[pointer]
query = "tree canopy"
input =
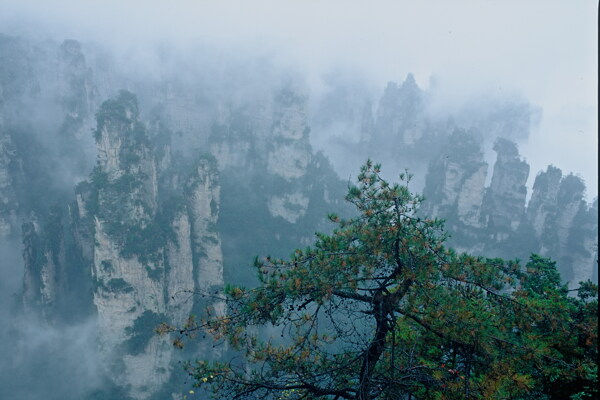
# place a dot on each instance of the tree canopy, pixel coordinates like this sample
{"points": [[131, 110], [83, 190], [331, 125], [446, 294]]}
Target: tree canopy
{"points": [[382, 309]]}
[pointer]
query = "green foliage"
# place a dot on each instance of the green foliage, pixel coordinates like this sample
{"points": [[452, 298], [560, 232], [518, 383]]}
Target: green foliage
{"points": [[142, 236], [121, 110], [145, 243], [156, 274], [381, 309], [107, 266], [142, 331], [119, 285]]}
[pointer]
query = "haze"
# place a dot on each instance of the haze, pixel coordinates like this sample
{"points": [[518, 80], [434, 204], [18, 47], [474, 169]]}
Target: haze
{"points": [[544, 51], [262, 87]]}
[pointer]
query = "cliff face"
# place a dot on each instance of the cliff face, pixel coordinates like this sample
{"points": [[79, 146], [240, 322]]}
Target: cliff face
{"points": [[496, 221], [8, 197], [142, 242], [400, 114], [580, 250], [148, 254], [505, 199], [543, 202], [203, 197], [46, 279], [289, 155], [456, 181], [129, 279]]}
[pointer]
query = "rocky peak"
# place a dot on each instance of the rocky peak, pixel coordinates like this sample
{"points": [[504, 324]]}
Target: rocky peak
{"points": [[290, 116], [289, 150], [148, 249], [506, 150], [203, 194], [399, 115], [125, 156], [70, 54], [76, 89], [32, 278], [569, 201], [556, 223], [572, 189], [410, 84], [543, 202], [116, 134], [234, 137], [46, 279], [578, 239], [505, 198], [455, 181]]}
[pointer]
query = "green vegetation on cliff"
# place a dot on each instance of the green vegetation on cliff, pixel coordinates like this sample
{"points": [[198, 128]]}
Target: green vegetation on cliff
{"points": [[141, 331]]}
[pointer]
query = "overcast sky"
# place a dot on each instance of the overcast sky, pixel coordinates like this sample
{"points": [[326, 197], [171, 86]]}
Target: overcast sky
{"points": [[545, 51]]}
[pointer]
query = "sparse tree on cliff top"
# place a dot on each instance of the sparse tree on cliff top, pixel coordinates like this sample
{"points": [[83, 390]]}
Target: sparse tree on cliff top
{"points": [[381, 309]]}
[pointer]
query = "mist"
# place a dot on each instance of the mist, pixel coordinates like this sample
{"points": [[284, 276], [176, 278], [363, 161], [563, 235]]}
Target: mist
{"points": [[47, 362], [523, 71], [545, 51]]}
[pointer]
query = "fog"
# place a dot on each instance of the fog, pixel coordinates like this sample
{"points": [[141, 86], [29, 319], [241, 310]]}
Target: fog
{"points": [[468, 56], [545, 51], [43, 362]]}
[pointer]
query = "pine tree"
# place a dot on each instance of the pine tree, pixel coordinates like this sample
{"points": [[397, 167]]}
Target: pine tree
{"points": [[381, 309]]}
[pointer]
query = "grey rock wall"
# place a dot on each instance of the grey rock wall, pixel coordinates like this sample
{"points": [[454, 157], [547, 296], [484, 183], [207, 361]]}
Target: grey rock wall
{"points": [[497, 220]]}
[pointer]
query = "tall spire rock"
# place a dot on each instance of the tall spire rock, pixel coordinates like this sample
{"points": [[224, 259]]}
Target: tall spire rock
{"points": [[78, 97], [556, 223], [542, 205], [126, 161], [289, 154], [579, 253], [203, 194], [399, 115], [128, 255], [505, 198], [410, 84], [569, 201], [46, 279], [149, 246], [76, 88], [290, 150], [455, 183]]}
